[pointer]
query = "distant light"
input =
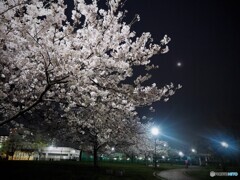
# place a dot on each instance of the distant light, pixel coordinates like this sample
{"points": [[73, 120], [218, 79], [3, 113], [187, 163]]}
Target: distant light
{"points": [[181, 153], [155, 131], [163, 157], [128, 159], [140, 158], [115, 159], [179, 64], [149, 159], [165, 145], [193, 150], [224, 144], [113, 148]]}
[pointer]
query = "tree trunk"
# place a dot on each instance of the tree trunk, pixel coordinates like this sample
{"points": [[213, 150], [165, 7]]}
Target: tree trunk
{"points": [[80, 155], [10, 154], [39, 155], [95, 157], [132, 159], [146, 160]]}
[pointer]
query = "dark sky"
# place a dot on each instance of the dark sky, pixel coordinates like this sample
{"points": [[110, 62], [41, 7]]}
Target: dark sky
{"points": [[205, 38]]}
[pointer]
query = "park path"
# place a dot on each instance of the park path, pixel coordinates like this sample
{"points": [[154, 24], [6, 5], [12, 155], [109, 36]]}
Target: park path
{"points": [[177, 174]]}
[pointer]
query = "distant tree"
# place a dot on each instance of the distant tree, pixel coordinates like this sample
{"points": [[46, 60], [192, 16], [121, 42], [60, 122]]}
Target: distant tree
{"points": [[143, 145], [15, 142], [173, 155], [93, 131], [22, 139], [37, 142]]}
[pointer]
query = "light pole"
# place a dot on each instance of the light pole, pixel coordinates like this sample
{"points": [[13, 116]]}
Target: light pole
{"points": [[193, 156], [155, 132], [225, 145]]}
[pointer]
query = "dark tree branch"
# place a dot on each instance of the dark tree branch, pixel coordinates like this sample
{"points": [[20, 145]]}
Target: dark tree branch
{"points": [[28, 108], [12, 7]]}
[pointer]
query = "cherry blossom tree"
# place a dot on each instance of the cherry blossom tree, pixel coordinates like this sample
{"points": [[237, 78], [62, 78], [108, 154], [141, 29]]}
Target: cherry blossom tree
{"points": [[143, 144], [44, 57], [80, 65], [93, 131]]}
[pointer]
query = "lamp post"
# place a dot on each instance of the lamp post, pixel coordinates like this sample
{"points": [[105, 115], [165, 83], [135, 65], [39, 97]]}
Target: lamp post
{"points": [[193, 156], [155, 132], [225, 145]]}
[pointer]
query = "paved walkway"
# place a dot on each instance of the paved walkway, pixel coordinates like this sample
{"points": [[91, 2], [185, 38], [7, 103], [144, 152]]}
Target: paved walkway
{"points": [[177, 174]]}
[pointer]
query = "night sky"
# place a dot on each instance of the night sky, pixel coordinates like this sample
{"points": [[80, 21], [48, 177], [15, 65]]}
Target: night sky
{"points": [[205, 39]]}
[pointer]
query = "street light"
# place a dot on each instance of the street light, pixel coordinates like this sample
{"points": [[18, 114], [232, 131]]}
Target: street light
{"points": [[155, 132], [224, 144], [181, 154], [193, 155]]}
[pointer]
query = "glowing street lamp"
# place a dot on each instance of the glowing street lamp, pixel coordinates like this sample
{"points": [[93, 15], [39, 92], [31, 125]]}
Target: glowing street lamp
{"points": [[155, 132], [181, 154], [193, 150], [224, 144]]}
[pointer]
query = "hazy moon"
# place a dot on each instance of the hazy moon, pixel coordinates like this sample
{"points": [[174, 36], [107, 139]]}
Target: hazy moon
{"points": [[179, 64]]}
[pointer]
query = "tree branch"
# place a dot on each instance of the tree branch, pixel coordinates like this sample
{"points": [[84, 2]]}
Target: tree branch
{"points": [[11, 7], [28, 108]]}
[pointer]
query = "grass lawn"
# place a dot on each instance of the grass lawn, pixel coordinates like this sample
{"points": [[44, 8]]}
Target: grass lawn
{"points": [[66, 170]]}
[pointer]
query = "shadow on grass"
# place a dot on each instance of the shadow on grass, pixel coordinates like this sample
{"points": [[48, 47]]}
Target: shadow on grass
{"points": [[67, 170]]}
